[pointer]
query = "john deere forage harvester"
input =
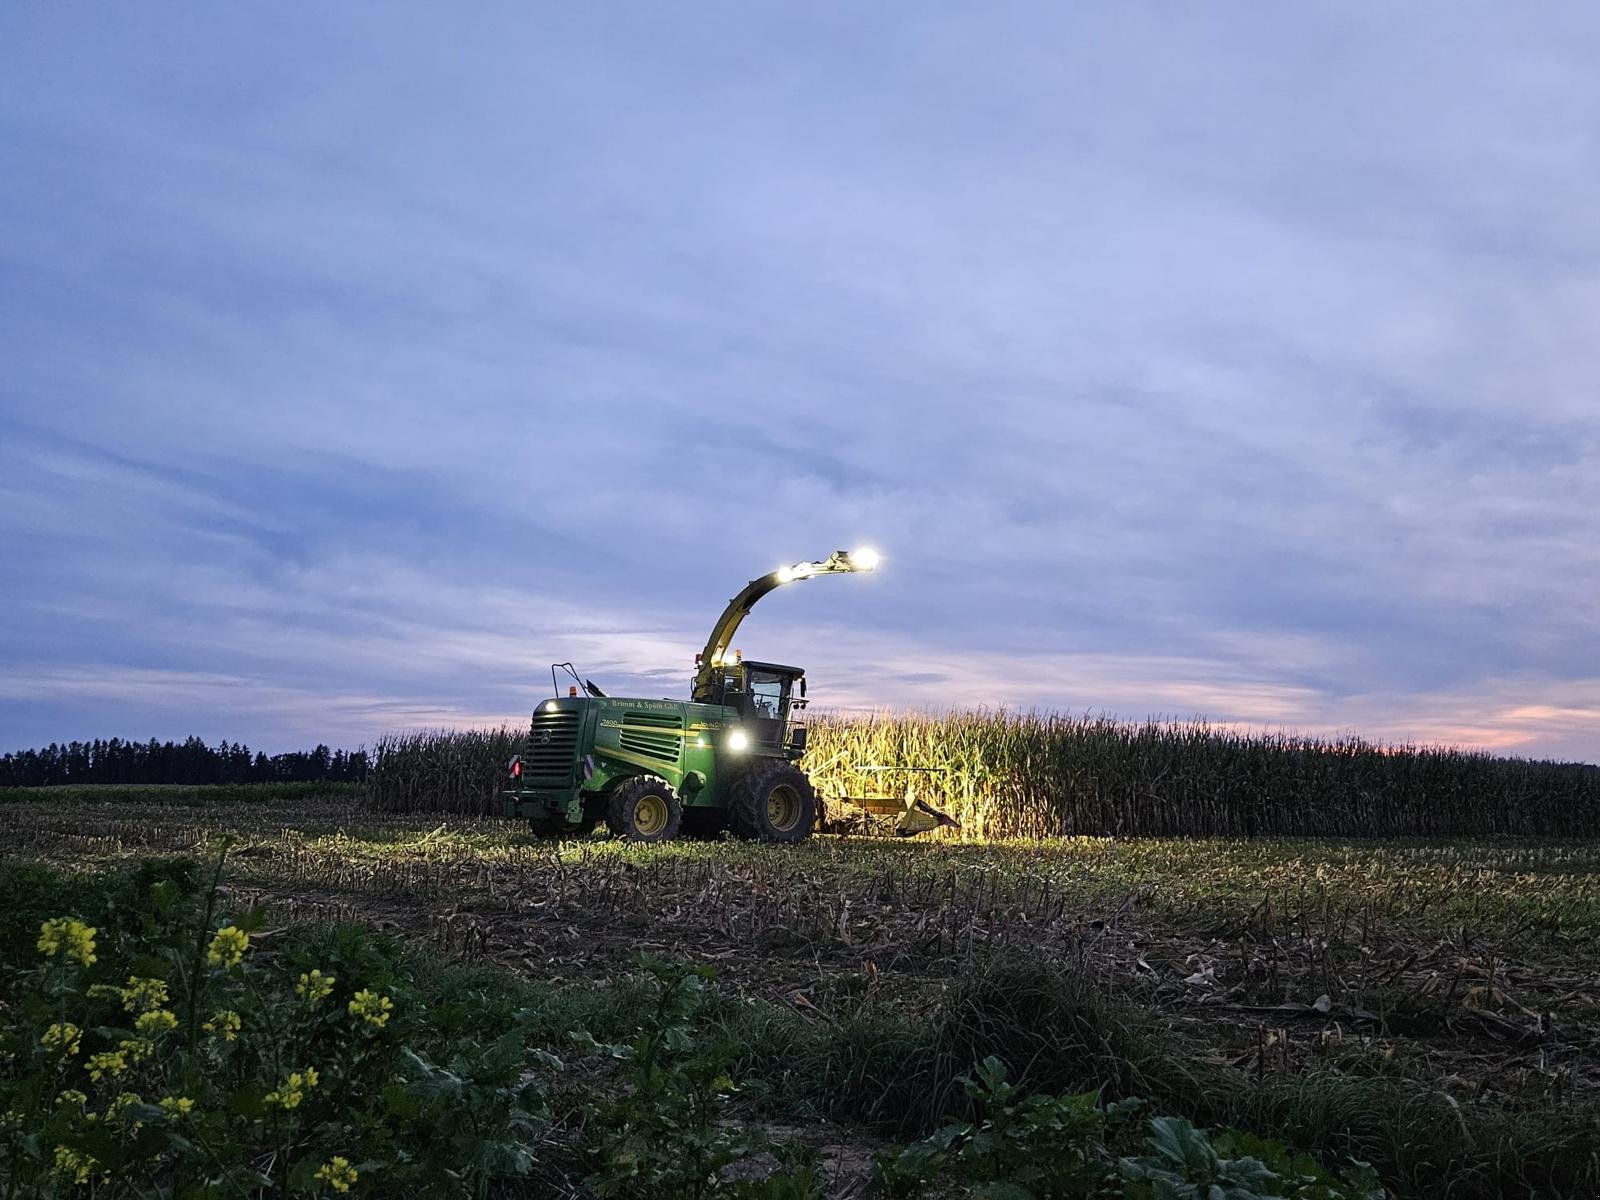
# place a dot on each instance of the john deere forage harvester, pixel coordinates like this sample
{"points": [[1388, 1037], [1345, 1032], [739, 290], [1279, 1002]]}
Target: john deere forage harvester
{"points": [[724, 759]]}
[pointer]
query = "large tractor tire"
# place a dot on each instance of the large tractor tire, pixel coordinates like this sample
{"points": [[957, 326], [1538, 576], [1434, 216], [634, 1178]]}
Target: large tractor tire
{"points": [[644, 809], [774, 802]]}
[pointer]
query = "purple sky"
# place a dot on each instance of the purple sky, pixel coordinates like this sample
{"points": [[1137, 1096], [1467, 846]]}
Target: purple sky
{"points": [[1210, 360]]}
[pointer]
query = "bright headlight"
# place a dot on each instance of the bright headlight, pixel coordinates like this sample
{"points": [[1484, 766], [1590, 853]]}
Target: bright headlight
{"points": [[551, 706], [738, 740], [864, 559]]}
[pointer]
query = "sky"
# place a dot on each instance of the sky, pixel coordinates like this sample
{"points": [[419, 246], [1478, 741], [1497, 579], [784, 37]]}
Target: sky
{"points": [[1223, 361]]}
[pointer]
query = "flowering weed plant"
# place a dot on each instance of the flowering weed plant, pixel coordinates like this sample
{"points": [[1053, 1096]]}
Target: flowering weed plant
{"points": [[153, 1043]]}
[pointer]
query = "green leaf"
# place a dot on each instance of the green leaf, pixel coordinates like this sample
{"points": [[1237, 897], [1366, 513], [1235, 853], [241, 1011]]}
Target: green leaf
{"points": [[991, 1072], [303, 1175], [1002, 1191], [1180, 1142], [584, 1039]]}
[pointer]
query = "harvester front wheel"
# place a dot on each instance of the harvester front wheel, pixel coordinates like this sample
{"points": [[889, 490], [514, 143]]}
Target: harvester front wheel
{"points": [[773, 803], [644, 809]]}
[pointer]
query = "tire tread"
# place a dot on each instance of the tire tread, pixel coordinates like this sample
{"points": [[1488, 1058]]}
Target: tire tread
{"points": [[747, 802]]}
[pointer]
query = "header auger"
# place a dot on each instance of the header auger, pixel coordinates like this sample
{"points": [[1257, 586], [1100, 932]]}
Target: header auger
{"points": [[727, 758]]}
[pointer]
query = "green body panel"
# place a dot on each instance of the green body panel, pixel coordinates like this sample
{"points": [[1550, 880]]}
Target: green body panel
{"points": [[579, 748]]}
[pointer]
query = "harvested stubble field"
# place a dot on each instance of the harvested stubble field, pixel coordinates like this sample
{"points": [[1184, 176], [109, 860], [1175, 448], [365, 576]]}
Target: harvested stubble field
{"points": [[1465, 973]]}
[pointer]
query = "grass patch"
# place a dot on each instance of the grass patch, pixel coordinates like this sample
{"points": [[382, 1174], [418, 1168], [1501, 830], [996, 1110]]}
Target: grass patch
{"points": [[183, 793]]}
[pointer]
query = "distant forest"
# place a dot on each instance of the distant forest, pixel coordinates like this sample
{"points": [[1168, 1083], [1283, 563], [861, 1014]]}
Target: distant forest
{"points": [[189, 761]]}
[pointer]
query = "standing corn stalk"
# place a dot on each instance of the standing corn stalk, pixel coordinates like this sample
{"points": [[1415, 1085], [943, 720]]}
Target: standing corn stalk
{"points": [[1004, 774]]}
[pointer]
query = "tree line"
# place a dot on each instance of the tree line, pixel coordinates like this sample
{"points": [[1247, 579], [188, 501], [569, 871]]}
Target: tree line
{"points": [[189, 761]]}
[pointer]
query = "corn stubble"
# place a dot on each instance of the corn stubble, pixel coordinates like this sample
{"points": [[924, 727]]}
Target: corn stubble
{"points": [[1006, 774]]}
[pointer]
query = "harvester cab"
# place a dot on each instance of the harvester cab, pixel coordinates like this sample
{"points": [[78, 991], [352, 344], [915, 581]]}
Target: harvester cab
{"points": [[767, 698], [727, 758]]}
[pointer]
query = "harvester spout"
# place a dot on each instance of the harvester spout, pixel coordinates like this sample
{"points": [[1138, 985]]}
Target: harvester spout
{"points": [[710, 659]]}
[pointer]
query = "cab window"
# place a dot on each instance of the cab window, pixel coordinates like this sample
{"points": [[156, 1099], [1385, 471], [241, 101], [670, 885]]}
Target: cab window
{"points": [[767, 693]]}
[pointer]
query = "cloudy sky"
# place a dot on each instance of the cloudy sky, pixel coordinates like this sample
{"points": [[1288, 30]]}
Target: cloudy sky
{"points": [[358, 361]]}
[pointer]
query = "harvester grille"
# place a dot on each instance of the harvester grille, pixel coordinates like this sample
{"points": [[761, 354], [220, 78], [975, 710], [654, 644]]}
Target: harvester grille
{"points": [[552, 747], [637, 735]]}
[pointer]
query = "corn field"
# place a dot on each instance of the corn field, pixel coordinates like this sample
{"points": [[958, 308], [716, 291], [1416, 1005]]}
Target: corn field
{"points": [[1047, 775], [442, 770]]}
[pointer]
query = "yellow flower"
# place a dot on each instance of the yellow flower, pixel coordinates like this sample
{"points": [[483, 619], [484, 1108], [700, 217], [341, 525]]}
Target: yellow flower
{"points": [[68, 937], [74, 1166], [137, 1049], [51, 935], [72, 1096], [224, 1024], [143, 995], [314, 985], [122, 1104], [177, 1106], [371, 1008], [157, 1020], [337, 1173], [108, 1062], [228, 946], [62, 1036], [294, 1089]]}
